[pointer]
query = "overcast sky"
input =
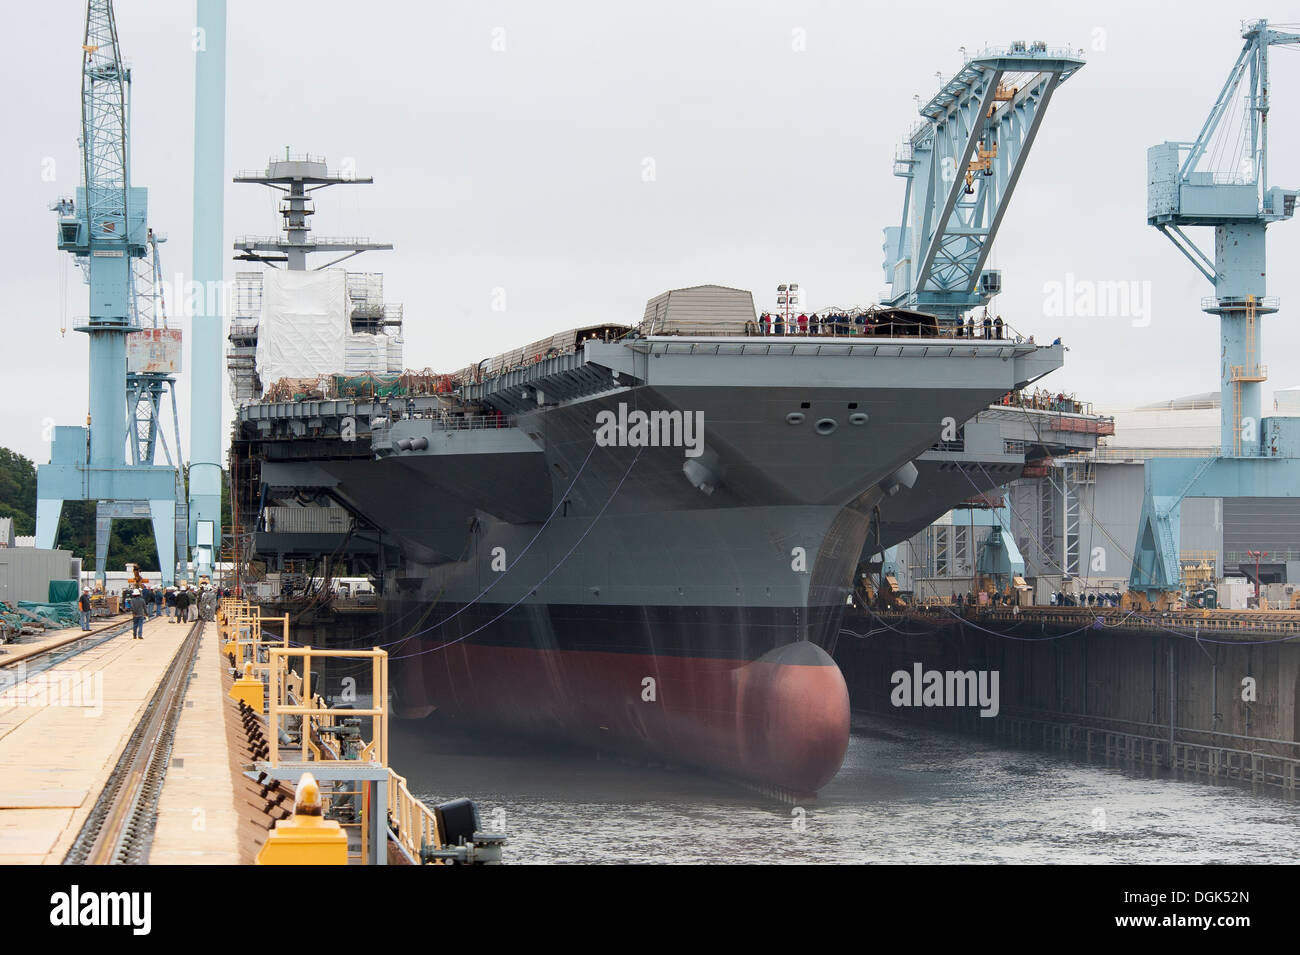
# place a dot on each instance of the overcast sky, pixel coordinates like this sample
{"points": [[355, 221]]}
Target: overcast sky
{"points": [[522, 169]]}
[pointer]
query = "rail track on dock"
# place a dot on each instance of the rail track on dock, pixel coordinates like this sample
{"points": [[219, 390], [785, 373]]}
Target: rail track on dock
{"points": [[41, 660], [119, 829]]}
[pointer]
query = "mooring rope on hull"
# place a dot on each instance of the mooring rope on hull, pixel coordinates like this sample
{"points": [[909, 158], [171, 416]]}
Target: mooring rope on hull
{"points": [[388, 627], [550, 573]]}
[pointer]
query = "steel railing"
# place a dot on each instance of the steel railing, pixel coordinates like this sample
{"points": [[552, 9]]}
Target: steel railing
{"points": [[316, 713], [849, 330], [410, 822]]}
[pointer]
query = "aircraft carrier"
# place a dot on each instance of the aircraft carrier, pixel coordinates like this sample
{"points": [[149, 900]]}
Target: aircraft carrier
{"points": [[641, 535], [557, 559]]}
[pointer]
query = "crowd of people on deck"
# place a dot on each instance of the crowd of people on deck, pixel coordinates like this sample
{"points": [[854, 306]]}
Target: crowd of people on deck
{"points": [[996, 598], [870, 323], [1058, 599], [987, 328], [1041, 399], [181, 604], [830, 323], [1090, 599]]}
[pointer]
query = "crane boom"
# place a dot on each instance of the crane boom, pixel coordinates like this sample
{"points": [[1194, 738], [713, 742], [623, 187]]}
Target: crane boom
{"points": [[962, 163], [103, 124]]}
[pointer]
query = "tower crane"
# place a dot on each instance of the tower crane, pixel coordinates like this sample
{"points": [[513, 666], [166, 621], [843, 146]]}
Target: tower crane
{"points": [[1220, 180], [104, 228]]}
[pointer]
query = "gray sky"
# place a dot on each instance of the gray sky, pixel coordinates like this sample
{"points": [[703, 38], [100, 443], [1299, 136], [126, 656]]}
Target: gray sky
{"points": [[522, 169]]}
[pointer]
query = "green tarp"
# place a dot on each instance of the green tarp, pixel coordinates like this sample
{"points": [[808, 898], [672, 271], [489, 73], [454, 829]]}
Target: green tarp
{"points": [[58, 614], [365, 386], [61, 591]]}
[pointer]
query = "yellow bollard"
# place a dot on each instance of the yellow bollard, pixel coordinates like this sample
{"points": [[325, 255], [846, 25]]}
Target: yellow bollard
{"points": [[248, 688], [306, 837], [231, 646]]}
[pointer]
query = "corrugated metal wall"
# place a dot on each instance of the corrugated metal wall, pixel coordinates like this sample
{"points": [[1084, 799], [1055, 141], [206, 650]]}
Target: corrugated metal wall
{"points": [[705, 307], [1109, 509], [1108, 519], [25, 572], [1262, 523], [1109, 514]]}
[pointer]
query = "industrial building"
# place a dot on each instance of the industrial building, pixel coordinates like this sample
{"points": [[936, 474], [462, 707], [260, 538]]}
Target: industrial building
{"points": [[26, 571], [1074, 526]]}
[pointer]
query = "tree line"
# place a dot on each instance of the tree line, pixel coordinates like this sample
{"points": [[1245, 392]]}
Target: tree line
{"points": [[129, 542]]}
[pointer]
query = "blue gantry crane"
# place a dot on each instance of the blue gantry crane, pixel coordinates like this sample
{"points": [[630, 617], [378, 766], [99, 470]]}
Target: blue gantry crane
{"points": [[962, 162], [105, 228], [1221, 181]]}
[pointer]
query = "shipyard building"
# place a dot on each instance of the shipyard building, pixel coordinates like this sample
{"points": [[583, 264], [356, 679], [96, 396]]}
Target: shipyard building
{"points": [[1070, 525]]}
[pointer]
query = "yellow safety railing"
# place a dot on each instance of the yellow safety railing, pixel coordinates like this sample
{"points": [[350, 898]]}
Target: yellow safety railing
{"points": [[315, 712], [227, 609], [413, 824], [410, 820], [245, 637], [289, 698]]}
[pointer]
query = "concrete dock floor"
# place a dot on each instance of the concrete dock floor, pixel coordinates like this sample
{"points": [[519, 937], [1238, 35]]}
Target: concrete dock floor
{"points": [[61, 733], [197, 821]]}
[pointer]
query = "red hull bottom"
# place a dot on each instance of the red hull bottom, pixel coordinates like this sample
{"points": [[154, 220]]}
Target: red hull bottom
{"points": [[781, 720]]}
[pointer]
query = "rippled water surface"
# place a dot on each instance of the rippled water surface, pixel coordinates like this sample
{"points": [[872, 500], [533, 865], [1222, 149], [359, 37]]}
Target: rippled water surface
{"points": [[905, 794]]}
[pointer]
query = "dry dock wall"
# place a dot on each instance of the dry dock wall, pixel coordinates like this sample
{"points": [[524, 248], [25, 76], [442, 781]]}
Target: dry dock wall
{"points": [[1231, 690]]}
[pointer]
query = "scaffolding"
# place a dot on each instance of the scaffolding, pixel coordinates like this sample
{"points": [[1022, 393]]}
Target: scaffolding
{"points": [[1071, 511], [1047, 521], [374, 346]]}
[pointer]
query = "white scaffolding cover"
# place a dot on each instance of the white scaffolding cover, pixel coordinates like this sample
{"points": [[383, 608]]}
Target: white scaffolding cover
{"points": [[366, 353], [304, 324]]}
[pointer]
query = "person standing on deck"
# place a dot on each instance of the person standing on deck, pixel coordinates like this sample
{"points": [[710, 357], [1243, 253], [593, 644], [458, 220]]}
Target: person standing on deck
{"points": [[83, 605], [137, 615]]}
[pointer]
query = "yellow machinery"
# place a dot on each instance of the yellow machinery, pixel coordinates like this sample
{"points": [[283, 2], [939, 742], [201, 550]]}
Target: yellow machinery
{"points": [[1136, 600], [134, 581]]}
